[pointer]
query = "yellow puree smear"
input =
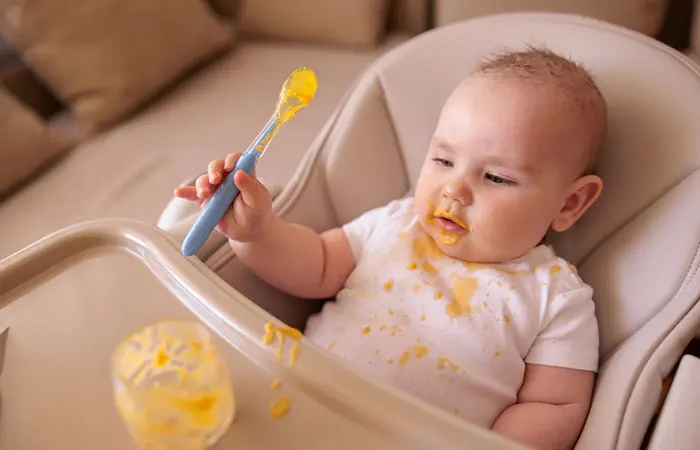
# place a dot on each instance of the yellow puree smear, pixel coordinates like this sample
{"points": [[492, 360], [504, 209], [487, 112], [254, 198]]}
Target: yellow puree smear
{"points": [[447, 237], [280, 407]]}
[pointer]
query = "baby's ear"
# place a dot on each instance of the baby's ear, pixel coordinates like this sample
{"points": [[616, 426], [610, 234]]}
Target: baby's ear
{"points": [[582, 194]]}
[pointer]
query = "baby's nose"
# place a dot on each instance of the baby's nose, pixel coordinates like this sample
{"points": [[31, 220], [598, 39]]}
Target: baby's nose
{"points": [[457, 191]]}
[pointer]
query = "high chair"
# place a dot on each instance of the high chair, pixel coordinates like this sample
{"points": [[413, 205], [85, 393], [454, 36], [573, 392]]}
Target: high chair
{"points": [[639, 245]]}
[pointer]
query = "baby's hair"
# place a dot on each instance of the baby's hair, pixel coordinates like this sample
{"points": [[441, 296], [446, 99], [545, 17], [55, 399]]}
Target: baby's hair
{"points": [[543, 67]]}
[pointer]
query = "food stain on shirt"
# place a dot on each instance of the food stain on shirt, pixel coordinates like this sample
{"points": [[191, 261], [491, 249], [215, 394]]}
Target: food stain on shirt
{"points": [[389, 284], [276, 384], [425, 248], [412, 266], [473, 266], [404, 358], [420, 351], [463, 290], [437, 295], [366, 330], [417, 287], [555, 269], [519, 272], [442, 361], [429, 268]]}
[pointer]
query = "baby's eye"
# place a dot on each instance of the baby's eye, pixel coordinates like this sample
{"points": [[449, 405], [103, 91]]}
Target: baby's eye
{"points": [[443, 162], [496, 179]]}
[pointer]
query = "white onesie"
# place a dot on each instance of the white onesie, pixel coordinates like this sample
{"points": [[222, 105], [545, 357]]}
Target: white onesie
{"points": [[456, 334]]}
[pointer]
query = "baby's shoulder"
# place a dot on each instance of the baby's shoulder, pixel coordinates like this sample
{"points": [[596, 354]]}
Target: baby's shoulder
{"points": [[553, 273], [394, 211], [400, 208]]}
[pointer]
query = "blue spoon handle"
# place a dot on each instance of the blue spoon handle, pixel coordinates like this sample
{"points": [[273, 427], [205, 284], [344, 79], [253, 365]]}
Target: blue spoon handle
{"points": [[226, 193]]}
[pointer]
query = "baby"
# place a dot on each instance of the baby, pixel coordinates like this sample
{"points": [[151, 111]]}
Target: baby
{"points": [[451, 294]]}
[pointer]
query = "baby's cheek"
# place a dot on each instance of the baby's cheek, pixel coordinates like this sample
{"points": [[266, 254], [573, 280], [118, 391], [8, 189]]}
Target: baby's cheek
{"points": [[422, 206], [506, 218]]}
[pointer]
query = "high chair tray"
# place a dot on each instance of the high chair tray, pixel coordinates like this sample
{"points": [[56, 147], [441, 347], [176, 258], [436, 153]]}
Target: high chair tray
{"points": [[68, 299]]}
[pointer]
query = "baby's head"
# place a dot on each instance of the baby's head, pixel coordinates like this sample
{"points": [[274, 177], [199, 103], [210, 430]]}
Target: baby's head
{"points": [[512, 156]]}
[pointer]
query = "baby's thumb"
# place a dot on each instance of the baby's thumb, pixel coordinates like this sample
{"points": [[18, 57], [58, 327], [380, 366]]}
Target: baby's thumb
{"points": [[253, 192]]}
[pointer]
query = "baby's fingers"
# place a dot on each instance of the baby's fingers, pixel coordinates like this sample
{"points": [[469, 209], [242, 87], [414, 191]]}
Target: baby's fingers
{"points": [[215, 170], [230, 161], [186, 193], [203, 187]]}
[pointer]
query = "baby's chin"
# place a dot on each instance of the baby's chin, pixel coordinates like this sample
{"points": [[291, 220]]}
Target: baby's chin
{"points": [[465, 247], [450, 243]]}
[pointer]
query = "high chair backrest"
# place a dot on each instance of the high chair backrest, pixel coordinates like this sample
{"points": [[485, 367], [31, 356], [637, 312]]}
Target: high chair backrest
{"points": [[637, 243]]}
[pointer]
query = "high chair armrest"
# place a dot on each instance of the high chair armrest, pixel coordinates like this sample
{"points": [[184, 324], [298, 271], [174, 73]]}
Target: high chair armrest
{"points": [[677, 425], [695, 28], [179, 215], [3, 342]]}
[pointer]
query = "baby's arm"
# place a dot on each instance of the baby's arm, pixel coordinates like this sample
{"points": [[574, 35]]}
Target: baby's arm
{"points": [[552, 407], [297, 260], [290, 257]]}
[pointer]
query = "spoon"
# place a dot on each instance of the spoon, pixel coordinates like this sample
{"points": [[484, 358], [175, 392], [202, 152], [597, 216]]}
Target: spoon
{"points": [[297, 92]]}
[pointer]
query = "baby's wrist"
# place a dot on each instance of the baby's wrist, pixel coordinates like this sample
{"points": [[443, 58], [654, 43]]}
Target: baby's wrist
{"points": [[258, 234]]}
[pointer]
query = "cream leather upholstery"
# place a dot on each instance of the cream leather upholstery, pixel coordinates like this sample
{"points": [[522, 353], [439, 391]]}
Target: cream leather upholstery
{"points": [[639, 247]]}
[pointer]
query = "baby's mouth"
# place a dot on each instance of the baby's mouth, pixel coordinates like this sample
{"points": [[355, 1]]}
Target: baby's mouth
{"points": [[450, 222]]}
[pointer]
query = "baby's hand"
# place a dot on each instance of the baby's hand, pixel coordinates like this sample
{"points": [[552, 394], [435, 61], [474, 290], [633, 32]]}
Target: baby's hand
{"points": [[251, 212]]}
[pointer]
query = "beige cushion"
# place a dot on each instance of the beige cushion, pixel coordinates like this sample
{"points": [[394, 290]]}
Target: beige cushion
{"points": [[695, 31], [645, 16], [226, 8], [106, 57], [217, 111], [341, 22], [410, 15], [26, 143]]}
